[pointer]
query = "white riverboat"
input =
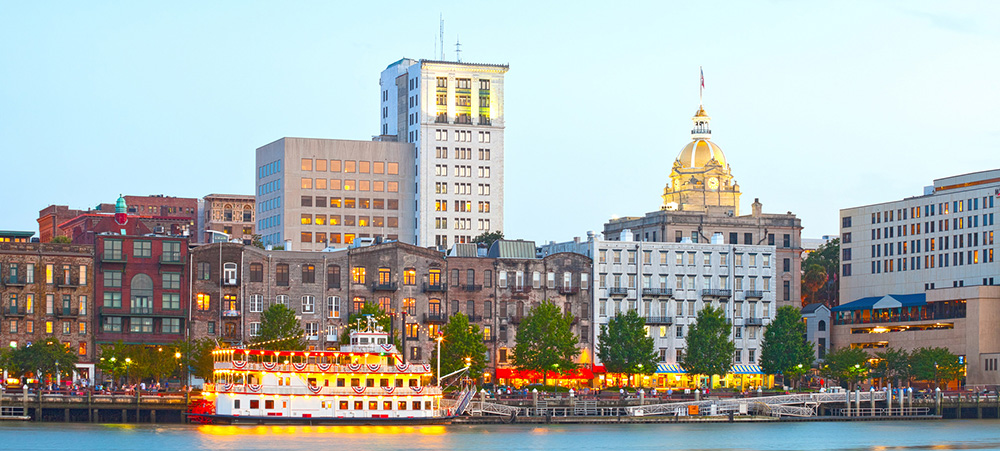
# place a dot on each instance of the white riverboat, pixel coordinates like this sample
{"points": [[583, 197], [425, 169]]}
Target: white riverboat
{"points": [[365, 382]]}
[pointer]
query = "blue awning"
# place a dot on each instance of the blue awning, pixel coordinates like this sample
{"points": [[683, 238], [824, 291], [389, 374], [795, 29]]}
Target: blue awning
{"points": [[669, 368], [750, 368], [883, 302]]}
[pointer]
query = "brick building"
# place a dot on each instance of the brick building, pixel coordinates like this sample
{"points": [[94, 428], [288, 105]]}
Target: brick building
{"points": [[232, 214], [48, 292], [161, 214]]}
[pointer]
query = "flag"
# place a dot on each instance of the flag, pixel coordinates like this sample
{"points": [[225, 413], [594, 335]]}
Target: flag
{"points": [[702, 78]]}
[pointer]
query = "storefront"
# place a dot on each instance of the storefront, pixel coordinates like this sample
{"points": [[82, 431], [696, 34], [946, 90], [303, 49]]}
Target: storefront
{"points": [[740, 377], [580, 377]]}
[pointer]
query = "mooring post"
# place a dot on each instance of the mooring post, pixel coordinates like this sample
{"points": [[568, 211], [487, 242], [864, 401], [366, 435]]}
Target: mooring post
{"points": [[937, 401], [888, 398]]}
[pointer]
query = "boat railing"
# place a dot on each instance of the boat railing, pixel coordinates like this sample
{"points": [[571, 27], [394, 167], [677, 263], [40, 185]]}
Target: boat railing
{"points": [[329, 391], [411, 368]]}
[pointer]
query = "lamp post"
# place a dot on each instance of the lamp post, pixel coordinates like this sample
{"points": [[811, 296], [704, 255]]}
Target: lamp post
{"points": [[640, 372], [439, 339]]}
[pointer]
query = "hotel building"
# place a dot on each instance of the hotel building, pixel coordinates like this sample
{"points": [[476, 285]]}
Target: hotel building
{"points": [[459, 139]]}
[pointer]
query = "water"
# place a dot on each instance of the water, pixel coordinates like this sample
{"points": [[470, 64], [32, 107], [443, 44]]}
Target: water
{"points": [[902, 435]]}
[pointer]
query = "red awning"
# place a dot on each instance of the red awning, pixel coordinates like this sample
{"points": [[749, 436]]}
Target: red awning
{"points": [[510, 373], [599, 369]]}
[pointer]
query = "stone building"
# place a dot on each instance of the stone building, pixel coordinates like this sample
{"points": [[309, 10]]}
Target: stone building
{"points": [[48, 292], [231, 214], [702, 199]]}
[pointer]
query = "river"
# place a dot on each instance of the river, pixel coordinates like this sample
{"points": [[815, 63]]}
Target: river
{"points": [[898, 435]]}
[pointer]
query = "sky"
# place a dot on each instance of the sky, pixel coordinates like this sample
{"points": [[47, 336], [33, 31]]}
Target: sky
{"points": [[818, 106]]}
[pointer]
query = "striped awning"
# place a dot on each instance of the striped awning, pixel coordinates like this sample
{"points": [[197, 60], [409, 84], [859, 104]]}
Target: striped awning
{"points": [[750, 368], [669, 368]]}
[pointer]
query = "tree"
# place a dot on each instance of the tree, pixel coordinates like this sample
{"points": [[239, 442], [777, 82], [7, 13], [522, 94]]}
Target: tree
{"points": [[848, 365], [545, 342], [49, 357], [461, 341], [358, 320], [112, 362], [488, 238], [784, 349], [279, 330], [821, 275], [893, 364], [197, 356], [625, 347], [256, 241], [62, 239], [936, 365], [709, 349]]}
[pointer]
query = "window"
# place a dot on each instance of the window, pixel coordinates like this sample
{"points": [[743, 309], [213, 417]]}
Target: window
{"points": [[281, 299], [112, 299], [308, 274], [171, 325], [171, 281], [171, 251], [333, 307], [203, 301], [229, 272], [141, 325], [112, 279], [308, 304], [171, 301], [112, 250], [256, 303], [281, 274], [358, 275], [254, 332], [256, 272], [112, 324], [142, 249]]}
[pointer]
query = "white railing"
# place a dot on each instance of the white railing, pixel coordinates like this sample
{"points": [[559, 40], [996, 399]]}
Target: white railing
{"points": [[329, 391], [413, 368]]}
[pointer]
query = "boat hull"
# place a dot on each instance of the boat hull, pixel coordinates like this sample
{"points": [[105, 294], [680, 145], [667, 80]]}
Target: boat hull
{"points": [[238, 419]]}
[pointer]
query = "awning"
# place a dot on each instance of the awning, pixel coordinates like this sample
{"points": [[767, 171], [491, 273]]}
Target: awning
{"points": [[510, 373], [669, 368], [599, 369], [750, 368]]}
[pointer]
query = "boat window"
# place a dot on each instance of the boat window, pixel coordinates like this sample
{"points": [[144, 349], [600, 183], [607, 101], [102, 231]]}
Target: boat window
{"points": [[416, 405], [268, 403], [381, 341], [386, 405], [402, 405], [355, 382], [369, 382], [383, 382], [358, 405], [399, 382], [372, 405], [254, 403]]}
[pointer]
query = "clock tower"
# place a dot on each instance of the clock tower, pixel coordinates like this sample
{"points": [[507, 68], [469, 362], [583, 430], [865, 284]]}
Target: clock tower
{"points": [[701, 179]]}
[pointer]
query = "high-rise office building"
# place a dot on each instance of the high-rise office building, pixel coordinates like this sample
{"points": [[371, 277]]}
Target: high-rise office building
{"points": [[452, 112]]}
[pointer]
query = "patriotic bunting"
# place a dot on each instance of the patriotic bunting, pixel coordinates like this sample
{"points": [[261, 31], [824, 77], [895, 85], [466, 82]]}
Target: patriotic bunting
{"points": [[270, 365], [373, 368], [359, 390]]}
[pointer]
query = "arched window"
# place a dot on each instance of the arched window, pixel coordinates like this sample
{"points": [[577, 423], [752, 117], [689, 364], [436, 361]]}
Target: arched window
{"points": [[141, 288], [227, 213], [229, 273], [821, 326]]}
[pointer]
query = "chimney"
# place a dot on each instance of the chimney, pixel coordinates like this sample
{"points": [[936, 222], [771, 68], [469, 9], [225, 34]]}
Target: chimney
{"points": [[756, 207]]}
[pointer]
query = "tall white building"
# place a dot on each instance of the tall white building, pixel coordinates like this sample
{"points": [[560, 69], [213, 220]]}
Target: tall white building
{"points": [[452, 112], [942, 239], [669, 283]]}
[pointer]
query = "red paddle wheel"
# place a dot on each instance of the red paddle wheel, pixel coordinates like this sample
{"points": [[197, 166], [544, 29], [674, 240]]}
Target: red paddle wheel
{"points": [[200, 407]]}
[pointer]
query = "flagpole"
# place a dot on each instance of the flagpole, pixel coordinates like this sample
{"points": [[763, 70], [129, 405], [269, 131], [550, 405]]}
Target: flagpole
{"points": [[701, 87]]}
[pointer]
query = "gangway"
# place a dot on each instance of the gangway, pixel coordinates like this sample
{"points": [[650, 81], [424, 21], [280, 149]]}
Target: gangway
{"points": [[799, 405]]}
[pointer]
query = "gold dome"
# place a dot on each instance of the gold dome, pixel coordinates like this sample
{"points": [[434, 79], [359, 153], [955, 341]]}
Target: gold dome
{"points": [[699, 152]]}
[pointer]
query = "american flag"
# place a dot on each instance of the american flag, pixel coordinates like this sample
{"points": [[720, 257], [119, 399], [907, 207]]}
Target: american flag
{"points": [[702, 78]]}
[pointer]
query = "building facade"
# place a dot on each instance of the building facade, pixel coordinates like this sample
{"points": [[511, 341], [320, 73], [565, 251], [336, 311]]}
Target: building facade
{"points": [[944, 238], [231, 214], [459, 140], [318, 193], [48, 292], [819, 326], [702, 199], [669, 283]]}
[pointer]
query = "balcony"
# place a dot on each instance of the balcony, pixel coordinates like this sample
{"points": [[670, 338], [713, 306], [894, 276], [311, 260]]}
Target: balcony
{"points": [[657, 292], [384, 286], [114, 258], [434, 287], [14, 311], [171, 260], [663, 320], [472, 287], [618, 291], [475, 318], [15, 281], [753, 294], [717, 292], [66, 312], [71, 283], [520, 291], [141, 310], [753, 322], [231, 313], [568, 290], [439, 318]]}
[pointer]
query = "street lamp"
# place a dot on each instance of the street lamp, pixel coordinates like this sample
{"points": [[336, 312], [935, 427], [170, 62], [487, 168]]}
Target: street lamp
{"points": [[439, 339], [640, 371]]}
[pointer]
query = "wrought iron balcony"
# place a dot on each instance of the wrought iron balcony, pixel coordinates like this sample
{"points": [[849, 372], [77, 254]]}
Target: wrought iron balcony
{"points": [[114, 258], [569, 290], [753, 294], [438, 287], [171, 260], [14, 311], [384, 286], [657, 292], [71, 283], [618, 291], [66, 312], [753, 322], [141, 310], [664, 320], [472, 287], [435, 318], [717, 292], [15, 281]]}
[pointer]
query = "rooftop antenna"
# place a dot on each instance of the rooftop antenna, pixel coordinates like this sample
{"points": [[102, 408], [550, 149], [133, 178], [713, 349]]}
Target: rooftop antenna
{"points": [[458, 50], [441, 40]]}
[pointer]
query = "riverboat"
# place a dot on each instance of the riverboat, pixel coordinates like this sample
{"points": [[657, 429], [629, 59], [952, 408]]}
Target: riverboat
{"points": [[365, 382]]}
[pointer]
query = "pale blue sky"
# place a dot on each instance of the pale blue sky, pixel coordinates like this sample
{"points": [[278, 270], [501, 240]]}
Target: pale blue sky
{"points": [[817, 105]]}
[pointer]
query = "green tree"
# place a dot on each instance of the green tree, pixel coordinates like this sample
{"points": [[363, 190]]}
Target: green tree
{"points": [[545, 341], [359, 319], [821, 275], [112, 362], [255, 241], [625, 347], [848, 365], [488, 238], [461, 341], [279, 330], [196, 357], [62, 239], [784, 349], [893, 364], [709, 350], [50, 357], [936, 365]]}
